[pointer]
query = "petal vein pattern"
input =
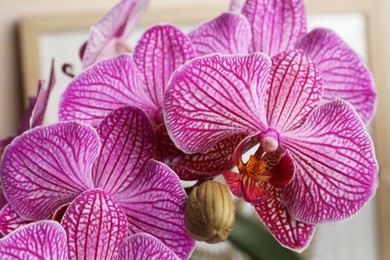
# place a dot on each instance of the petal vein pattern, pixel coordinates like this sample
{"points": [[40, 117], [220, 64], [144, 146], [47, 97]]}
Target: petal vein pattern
{"points": [[216, 97]]}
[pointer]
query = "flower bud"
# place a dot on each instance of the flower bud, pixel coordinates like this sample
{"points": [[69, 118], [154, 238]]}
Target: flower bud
{"points": [[209, 212]]}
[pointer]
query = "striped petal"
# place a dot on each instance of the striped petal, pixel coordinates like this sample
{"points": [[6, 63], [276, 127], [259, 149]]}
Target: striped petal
{"points": [[344, 74], [95, 226], [143, 246], [106, 86], [290, 233], [229, 33], [107, 37], [128, 142], [215, 97], [48, 167], [295, 89], [276, 25], [10, 220], [154, 204], [159, 52], [40, 240], [335, 165]]}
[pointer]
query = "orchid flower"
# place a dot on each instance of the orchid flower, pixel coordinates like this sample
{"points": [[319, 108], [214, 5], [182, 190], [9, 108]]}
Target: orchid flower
{"points": [[48, 167], [280, 25], [108, 36], [315, 162], [140, 80]]}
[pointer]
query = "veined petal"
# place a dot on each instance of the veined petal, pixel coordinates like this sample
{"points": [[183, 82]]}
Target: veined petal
{"points": [[276, 24], [10, 220], [212, 98], [154, 204], [229, 33], [115, 27], [159, 52], [289, 232], [335, 165], [344, 74], [236, 5], [143, 246], [295, 89], [47, 167], [106, 86], [4, 142], [95, 226], [128, 142], [40, 240]]}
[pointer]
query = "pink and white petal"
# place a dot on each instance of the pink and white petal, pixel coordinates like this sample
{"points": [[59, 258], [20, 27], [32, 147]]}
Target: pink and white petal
{"points": [[106, 86], [159, 52], [215, 97], [47, 167], [154, 204], [276, 25], [128, 142], [236, 6], [10, 220], [229, 33], [336, 169], [144, 246], [289, 232], [295, 89], [202, 166], [95, 226], [40, 240], [344, 74], [113, 29]]}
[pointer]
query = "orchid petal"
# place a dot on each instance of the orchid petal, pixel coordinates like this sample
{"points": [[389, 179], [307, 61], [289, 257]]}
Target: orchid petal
{"points": [[154, 203], [113, 30], [128, 142], [344, 73], [242, 147], [143, 246], [236, 5], [40, 240], [4, 142], [276, 24], [295, 90], [335, 165], [215, 97], [229, 33], [95, 226], [290, 233], [10, 220], [48, 167], [3, 200], [106, 86], [159, 52]]}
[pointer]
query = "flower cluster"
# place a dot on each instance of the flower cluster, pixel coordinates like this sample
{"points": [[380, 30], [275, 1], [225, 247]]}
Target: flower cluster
{"points": [[104, 182]]}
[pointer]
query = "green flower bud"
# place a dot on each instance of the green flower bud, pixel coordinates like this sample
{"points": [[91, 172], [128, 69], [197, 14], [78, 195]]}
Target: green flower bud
{"points": [[210, 212]]}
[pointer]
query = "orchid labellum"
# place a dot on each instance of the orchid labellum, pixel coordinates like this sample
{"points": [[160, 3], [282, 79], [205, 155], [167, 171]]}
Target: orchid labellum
{"points": [[315, 162]]}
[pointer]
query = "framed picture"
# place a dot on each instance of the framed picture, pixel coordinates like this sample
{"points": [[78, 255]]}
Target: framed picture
{"points": [[60, 36]]}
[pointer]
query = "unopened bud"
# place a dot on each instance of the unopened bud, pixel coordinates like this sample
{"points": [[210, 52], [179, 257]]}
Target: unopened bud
{"points": [[209, 212]]}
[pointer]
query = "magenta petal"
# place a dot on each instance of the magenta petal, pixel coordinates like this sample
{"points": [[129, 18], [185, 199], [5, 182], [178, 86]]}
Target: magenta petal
{"points": [[290, 233], [335, 165], [295, 89], [107, 35], [215, 97], [229, 33], [343, 72], [106, 86], [236, 5], [154, 204], [40, 240], [276, 24], [4, 142], [128, 142], [95, 226], [10, 220], [143, 246], [159, 52], [48, 167]]}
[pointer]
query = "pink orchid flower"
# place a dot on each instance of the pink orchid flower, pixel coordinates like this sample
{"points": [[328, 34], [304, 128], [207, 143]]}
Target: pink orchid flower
{"points": [[279, 25], [315, 162], [48, 167]]}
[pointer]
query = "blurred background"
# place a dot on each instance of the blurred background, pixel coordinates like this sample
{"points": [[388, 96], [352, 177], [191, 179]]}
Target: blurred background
{"points": [[35, 31]]}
